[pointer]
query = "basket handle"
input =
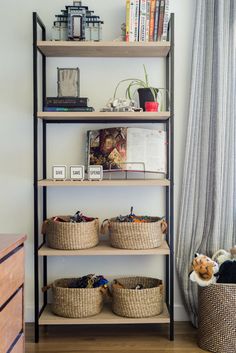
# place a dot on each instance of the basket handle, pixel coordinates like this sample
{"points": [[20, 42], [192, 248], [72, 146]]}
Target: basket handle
{"points": [[105, 291], [105, 227], [164, 226], [44, 225], [46, 288]]}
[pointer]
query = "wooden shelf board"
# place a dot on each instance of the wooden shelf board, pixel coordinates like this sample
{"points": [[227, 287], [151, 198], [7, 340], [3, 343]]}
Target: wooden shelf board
{"points": [[105, 317], [116, 116], [103, 49], [104, 249], [102, 183]]}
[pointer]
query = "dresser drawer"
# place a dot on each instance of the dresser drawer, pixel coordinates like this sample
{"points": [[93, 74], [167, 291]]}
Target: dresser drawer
{"points": [[11, 321], [11, 275], [19, 346]]}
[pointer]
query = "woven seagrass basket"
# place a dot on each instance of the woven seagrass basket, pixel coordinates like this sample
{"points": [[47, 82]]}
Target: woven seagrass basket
{"points": [[138, 303], [127, 235], [75, 302], [217, 318], [72, 236]]}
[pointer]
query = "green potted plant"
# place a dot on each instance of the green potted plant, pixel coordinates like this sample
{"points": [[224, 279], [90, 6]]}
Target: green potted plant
{"points": [[145, 92]]}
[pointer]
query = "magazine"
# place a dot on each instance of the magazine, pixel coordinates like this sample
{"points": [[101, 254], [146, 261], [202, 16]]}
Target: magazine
{"points": [[132, 149]]}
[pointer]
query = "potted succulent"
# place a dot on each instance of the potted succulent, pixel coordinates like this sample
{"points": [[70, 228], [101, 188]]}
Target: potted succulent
{"points": [[145, 92]]}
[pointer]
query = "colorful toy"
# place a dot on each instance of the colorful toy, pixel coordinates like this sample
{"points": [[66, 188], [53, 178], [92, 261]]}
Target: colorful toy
{"points": [[227, 272], [89, 281], [222, 255], [203, 270]]}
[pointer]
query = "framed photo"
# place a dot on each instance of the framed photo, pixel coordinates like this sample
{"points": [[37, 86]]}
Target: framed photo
{"points": [[95, 172], [59, 172], [68, 83], [77, 172]]}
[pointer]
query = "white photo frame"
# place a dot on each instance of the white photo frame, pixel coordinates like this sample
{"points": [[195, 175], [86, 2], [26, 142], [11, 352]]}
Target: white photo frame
{"points": [[68, 82], [77, 172], [95, 172], [59, 172]]}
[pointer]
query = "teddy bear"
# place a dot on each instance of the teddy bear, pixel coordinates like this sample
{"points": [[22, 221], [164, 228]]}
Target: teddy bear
{"points": [[203, 270]]}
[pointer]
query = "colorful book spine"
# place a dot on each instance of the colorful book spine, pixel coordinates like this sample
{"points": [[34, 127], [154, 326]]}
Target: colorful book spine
{"points": [[161, 19], [66, 102], [127, 20], [156, 21], [142, 20], [136, 23], [152, 20], [65, 109], [132, 21], [166, 20], [148, 20]]}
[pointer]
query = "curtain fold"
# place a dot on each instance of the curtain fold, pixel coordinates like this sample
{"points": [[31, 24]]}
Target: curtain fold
{"points": [[207, 219]]}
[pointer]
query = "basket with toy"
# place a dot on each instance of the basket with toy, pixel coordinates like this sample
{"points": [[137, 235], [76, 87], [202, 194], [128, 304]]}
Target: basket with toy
{"points": [[135, 232], [137, 297], [78, 297], [71, 232], [216, 278]]}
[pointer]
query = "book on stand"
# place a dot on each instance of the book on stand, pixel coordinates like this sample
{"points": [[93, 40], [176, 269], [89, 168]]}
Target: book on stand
{"points": [[137, 149]]}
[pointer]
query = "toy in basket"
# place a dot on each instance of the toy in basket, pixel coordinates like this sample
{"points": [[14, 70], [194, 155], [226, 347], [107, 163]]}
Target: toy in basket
{"points": [[71, 232], [135, 232], [137, 297], [78, 297]]}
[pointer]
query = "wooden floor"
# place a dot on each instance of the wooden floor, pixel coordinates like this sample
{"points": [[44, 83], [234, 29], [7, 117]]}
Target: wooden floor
{"points": [[109, 339]]}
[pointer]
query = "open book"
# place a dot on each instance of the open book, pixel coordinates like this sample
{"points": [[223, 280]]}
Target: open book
{"points": [[133, 149]]}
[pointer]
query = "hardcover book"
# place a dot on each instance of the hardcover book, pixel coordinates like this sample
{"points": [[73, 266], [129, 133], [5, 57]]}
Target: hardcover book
{"points": [[166, 20], [161, 19], [156, 20], [69, 102], [142, 20], [148, 20], [133, 149], [152, 20]]}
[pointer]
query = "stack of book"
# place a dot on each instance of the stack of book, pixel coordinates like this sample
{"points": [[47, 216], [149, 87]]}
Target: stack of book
{"points": [[67, 104], [147, 20]]}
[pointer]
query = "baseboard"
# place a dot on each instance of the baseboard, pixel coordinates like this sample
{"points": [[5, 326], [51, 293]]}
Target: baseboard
{"points": [[179, 312]]}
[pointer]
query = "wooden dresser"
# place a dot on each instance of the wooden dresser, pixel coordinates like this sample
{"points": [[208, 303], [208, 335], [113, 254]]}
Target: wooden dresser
{"points": [[12, 267]]}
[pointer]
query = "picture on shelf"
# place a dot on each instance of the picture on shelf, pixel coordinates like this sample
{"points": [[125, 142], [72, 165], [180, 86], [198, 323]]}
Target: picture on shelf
{"points": [[136, 148]]}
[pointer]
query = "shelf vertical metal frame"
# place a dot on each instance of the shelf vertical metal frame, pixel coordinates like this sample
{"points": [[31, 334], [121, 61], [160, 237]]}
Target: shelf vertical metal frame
{"points": [[171, 189], [37, 22]]}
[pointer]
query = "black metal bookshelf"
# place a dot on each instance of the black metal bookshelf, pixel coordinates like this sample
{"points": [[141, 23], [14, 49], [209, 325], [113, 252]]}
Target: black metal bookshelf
{"points": [[102, 49]]}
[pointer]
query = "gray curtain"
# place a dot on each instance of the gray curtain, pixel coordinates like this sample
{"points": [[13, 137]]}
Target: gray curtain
{"points": [[207, 219]]}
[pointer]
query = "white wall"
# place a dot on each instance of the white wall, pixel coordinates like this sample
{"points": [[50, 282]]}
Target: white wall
{"points": [[98, 79]]}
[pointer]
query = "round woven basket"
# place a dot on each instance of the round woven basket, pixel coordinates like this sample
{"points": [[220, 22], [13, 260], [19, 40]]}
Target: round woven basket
{"points": [[127, 235], [72, 236], [75, 302], [217, 318], [138, 303]]}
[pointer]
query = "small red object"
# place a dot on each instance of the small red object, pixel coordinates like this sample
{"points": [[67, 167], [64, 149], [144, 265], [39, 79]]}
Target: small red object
{"points": [[151, 106]]}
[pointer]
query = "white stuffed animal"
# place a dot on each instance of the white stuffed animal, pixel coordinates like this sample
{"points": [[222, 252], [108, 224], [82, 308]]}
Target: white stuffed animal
{"points": [[222, 255]]}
